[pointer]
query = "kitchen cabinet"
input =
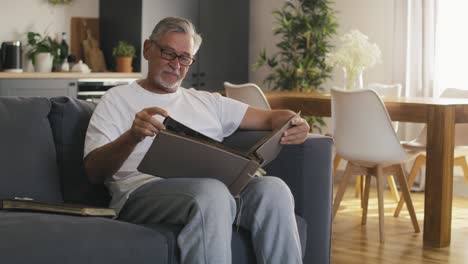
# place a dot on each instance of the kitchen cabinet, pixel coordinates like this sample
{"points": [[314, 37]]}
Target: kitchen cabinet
{"points": [[223, 24], [38, 87]]}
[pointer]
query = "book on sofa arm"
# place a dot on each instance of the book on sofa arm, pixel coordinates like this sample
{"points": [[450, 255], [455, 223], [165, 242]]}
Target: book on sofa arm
{"points": [[59, 208], [181, 152]]}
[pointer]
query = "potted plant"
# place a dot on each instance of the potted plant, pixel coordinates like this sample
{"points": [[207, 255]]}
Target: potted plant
{"points": [[123, 53], [305, 29], [43, 51]]}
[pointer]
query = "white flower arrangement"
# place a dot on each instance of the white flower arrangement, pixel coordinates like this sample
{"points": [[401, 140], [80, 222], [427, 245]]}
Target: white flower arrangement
{"points": [[355, 54]]}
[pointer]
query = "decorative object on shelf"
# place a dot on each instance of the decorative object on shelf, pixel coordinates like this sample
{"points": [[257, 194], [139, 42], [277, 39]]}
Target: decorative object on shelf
{"points": [[40, 45], [65, 67], [355, 54], [93, 55], [81, 67], [123, 53], [79, 32], [64, 49], [43, 62], [305, 29]]}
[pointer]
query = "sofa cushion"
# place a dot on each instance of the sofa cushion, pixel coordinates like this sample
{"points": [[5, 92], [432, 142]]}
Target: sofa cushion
{"points": [[50, 238], [170, 232], [69, 120], [27, 153], [242, 247]]}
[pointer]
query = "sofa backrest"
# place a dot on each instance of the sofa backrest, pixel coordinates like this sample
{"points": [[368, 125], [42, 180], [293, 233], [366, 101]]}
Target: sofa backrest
{"points": [[41, 150], [69, 120], [28, 166]]}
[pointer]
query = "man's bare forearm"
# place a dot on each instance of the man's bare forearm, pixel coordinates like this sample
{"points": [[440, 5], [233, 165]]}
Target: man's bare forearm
{"points": [[260, 119], [105, 161], [279, 117]]}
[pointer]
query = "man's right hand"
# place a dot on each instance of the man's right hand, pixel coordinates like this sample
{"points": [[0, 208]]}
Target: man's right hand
{"points": [[145, 125], [103, 162]]}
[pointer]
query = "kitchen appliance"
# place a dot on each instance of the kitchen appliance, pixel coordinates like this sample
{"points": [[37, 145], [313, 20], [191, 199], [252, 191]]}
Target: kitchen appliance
{"points": [[11, 56], [92, 89]]}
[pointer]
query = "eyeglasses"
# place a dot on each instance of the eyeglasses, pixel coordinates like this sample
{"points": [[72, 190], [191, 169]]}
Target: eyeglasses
{"points": [[170, 55]]}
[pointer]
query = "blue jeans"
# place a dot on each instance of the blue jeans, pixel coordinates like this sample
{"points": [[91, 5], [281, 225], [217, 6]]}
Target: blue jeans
{"points": [[207, 210]]}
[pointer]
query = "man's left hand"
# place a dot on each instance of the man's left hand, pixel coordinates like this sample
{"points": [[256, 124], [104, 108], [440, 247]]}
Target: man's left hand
{"points": [[296, 134]]}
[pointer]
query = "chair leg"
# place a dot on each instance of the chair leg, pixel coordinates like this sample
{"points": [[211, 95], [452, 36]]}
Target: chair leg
{"points": [[360, 190], [418, 163], [365, 199], [336, 163], [341, 189], [359, 181], [393, 188], [358, 185], [407, 197], [461, 161], [381, 203]]}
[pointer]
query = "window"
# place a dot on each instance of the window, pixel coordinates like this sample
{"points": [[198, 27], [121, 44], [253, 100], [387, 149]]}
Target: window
{"points": [[451, 50]]}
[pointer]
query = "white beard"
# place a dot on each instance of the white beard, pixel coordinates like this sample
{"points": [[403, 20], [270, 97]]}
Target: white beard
{"points": [[167, 85]]}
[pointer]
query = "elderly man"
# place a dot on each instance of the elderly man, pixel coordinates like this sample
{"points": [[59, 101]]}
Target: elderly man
{"points": [[122, 129]]}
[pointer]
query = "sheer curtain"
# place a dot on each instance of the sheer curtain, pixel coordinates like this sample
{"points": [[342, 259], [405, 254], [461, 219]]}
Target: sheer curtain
{"points": [[414, 42], [414, 53], [451, 45], [430, 46]]}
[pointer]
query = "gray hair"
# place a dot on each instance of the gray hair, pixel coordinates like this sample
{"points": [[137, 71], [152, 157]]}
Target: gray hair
{"points": [[176, 24]]}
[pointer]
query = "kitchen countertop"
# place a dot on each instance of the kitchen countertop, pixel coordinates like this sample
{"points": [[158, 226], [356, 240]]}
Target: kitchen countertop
{"points": [[68, 75]]}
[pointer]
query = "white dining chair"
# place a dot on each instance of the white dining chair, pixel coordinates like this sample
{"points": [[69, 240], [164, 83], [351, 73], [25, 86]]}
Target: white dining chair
{"points": [[419, 144], [248, 93], [386, 90], [383, 90], [364, 136]]}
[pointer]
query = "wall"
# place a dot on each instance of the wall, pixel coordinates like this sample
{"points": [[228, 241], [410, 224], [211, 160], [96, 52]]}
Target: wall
{"points": [[372, 17], [20, 16], [261, 34]]}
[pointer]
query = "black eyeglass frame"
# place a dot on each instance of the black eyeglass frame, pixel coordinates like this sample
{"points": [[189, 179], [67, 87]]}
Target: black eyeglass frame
{"points": [[173, 55]]}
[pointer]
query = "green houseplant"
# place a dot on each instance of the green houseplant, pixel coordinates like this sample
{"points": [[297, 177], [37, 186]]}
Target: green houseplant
{"points": [[123, 53], [305, 28], [43, 52]]}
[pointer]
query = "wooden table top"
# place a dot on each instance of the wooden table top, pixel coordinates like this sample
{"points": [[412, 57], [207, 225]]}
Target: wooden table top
{"points": [[406, 109]]}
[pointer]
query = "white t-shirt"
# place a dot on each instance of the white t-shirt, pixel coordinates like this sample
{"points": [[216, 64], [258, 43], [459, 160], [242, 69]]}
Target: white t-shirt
{"points": [[208, 113]]}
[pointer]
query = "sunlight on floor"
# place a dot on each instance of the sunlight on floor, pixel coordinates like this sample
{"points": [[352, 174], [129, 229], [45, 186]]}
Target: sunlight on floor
{"points": [[354, 243]]}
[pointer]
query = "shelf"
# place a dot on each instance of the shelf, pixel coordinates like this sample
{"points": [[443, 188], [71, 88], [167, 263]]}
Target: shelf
{"points": [[68, 75]]}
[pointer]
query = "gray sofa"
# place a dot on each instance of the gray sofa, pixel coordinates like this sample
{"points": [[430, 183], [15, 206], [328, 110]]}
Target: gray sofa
{"points": [[41, 148]]}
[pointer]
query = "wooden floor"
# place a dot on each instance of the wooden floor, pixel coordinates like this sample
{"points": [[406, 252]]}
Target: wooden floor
{"points": [[353, 243]]}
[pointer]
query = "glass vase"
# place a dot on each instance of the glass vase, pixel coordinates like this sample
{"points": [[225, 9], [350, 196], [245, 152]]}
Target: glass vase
{"points": [[353, 79]]}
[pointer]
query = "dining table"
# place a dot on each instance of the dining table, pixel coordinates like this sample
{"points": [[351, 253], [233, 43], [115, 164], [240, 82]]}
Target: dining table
{"points": [[440, 115]]}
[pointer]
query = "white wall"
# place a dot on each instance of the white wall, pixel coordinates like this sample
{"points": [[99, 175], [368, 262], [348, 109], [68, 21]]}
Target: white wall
{"points": [[372, 17], [261, 34], [17, 17]]}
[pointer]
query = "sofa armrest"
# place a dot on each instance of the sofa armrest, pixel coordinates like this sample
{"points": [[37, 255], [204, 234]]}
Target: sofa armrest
{"points": [[306, 169]]}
